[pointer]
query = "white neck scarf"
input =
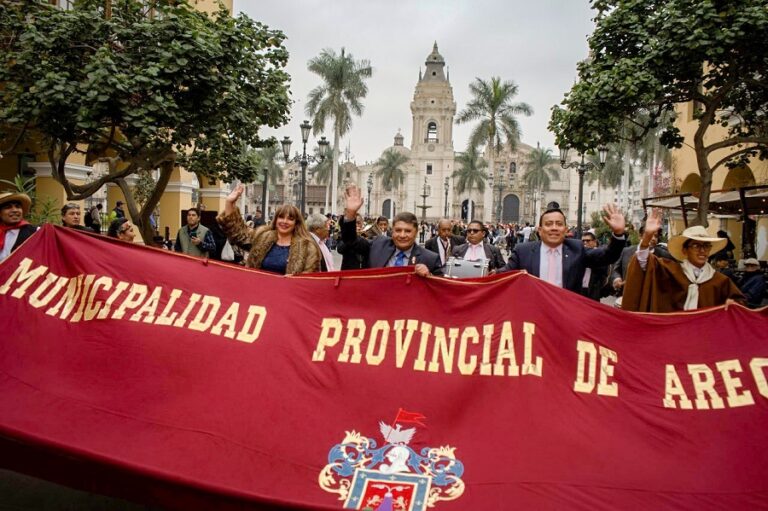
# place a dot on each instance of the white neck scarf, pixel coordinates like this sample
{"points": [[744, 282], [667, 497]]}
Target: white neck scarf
{"points": [[707, 272]]}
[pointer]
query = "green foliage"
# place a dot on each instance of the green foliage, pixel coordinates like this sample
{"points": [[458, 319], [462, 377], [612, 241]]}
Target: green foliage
{"points": [[144, 187], [471, 172], [145, 91], [390, 168], [492, 105], [646, 56], [20, 184], [45, 211]]}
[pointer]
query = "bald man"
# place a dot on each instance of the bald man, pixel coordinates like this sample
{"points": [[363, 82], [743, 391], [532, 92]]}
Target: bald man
{"points": [[444, 243]]}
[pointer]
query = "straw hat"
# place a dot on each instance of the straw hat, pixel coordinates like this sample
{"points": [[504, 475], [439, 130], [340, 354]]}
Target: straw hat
{"points": [[697, 233], [23, 198]]}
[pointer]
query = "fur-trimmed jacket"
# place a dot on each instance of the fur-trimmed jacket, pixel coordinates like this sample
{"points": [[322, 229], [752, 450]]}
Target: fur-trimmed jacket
{"points": [[303, 256]]}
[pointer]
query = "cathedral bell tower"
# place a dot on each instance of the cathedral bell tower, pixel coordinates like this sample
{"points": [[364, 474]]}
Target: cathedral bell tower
{"points": [[432, 109]]}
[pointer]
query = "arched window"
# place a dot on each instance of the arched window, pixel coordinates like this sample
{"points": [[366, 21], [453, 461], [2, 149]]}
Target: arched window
{"points": [[431, 132]]}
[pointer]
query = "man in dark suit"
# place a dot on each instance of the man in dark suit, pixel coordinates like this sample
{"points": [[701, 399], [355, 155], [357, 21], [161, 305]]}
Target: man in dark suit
{"points": [[400, 249], [445, 241], [477, 248], [595, 279], [619, 272], [562, 261]]}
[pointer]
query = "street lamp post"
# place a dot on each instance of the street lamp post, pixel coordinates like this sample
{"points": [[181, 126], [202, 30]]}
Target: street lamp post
{"points": [[582, 167], [304, 159], [264, 205], [368, 202], [446, 185]]}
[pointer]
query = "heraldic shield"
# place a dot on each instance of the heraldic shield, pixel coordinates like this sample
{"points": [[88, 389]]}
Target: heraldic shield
{"points": [[392, 477]]}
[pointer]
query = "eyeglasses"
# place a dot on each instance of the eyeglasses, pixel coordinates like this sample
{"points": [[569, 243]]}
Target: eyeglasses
{"points": [[700, 247], [474, 231]]}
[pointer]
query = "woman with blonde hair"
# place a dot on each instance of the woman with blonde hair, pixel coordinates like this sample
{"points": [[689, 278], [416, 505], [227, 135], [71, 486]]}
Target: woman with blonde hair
{"points": [[283, 246]]}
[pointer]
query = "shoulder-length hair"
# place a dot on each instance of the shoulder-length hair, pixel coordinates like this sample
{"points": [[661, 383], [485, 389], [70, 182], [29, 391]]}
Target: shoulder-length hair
{"points": [[290, 211]]}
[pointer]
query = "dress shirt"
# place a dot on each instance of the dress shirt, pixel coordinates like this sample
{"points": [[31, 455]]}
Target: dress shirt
{"points": [[407, 253], [324, 251], [10, 240], [444, 248], [475, 252], [544, 264]]}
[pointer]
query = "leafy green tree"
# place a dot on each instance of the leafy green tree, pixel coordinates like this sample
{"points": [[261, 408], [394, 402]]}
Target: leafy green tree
{"points": [[470, 175], [540, 169], [640, 64], [339, 97], [492, 106], [390, 168], [140, 92]]}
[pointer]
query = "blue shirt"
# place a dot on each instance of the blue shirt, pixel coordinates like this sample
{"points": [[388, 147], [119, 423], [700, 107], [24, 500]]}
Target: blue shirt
{"points": [[276, 259]]}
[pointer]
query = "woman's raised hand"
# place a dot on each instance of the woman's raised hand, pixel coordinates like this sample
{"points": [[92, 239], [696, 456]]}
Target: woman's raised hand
{"points": [[235, 194]]}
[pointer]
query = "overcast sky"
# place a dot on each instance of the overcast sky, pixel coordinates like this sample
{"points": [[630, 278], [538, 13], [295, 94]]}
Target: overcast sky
{"points": [[535, 43]]}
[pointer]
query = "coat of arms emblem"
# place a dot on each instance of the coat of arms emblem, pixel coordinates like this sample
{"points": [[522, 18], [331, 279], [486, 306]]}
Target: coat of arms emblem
{"points": [[392, 477]]}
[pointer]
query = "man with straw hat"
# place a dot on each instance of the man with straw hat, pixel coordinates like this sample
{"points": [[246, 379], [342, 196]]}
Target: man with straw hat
{"points": [[14, 230], [655, 284]]}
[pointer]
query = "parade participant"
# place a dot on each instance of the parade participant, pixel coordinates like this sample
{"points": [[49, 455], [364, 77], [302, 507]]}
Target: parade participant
{"points": [[118, 210], [93, 218], [382, 224], [562, 261], [283, 246], [654, 284], [619, 272], [122, 229], [354, 255], [595, 279], [319, 228], [195, 239], [399, 250], [752, 284], [445, 241], [14, 230], [70, 217], [720, 262], [477, 247]]}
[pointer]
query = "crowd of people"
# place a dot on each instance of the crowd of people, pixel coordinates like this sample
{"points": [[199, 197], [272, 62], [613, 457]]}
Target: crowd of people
{"points": [[693, 270]]}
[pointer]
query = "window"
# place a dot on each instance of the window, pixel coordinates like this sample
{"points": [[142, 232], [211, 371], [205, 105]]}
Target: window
{"points": [[429, 169], [431, 132], [592, 196], [512, 168]]}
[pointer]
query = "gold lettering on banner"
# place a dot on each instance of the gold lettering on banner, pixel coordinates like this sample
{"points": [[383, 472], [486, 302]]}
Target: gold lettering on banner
{"points": [[486, 368], [733, 384], [149, 308], [403, 343], [167, 317], [530, 367], [93, 306], [179, 323], [673, 389], [229, 320], [55, 283], [466, 366], [757, 366], [592, 356], [68, 300], [135, 297], [380, 331], [355, 336], [87, 282], [24, 276], [420, 364], [506, 352], [443, 349], [107, 308], [704, 386], [253, 324], [330, 335], [206, 314]]}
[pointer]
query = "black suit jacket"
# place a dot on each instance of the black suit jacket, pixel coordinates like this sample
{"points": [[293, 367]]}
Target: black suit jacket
{"points": [[25, 231], [381, 249], [493, 254], [354, 255], [621, 266], [576, 259], [431, 244]]}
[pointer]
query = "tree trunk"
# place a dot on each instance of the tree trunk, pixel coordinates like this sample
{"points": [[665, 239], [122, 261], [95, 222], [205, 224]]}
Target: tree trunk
{"points": [[141, 217], [335, 168]]}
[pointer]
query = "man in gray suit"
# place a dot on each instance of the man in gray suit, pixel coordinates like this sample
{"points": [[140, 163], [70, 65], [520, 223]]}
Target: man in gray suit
{"points": [[399, 250], [562, 261], [477, 248]]}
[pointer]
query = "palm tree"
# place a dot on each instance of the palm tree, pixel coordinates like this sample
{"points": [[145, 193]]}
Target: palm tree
{"points": [[267, 161], [339, 97], [470, 174], [539, 171], [492, 105], [390, 168], [322, 172]]}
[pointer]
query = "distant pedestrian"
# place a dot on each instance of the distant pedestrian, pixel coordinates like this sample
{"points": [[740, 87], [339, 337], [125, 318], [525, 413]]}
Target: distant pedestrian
{"points": [[118, 211], [195, 239], [93, 218]]}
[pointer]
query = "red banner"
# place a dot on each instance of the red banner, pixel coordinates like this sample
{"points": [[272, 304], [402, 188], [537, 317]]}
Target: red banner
{"points": [[195, 385]]}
